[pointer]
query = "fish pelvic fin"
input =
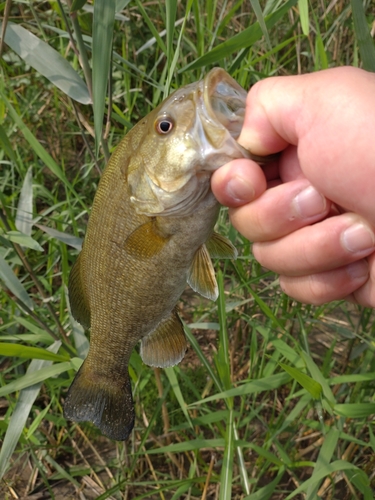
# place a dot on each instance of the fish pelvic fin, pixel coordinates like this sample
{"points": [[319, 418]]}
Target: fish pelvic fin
{"points": [[103, 401], [77, 296], [219, 247], [165, 346], [201, 275]]}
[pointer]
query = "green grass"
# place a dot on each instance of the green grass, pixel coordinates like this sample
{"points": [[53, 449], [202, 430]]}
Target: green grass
{"points": [[274, 399]]}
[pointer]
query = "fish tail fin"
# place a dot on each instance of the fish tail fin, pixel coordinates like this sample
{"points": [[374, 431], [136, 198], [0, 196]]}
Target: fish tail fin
{"points": [[102, 401]]}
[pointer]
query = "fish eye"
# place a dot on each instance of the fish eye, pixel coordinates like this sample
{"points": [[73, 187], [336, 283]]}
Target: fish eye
{"points": [[164, 126]]}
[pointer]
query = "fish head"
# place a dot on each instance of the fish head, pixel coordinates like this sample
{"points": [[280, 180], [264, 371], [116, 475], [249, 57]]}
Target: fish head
{"points": [[188, 136]]}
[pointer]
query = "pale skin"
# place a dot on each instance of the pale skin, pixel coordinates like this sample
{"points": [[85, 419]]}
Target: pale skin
{"points": [[311, 213]]}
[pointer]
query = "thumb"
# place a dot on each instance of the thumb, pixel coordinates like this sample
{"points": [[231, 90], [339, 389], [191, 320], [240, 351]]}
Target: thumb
{"points": [[282, 110]]}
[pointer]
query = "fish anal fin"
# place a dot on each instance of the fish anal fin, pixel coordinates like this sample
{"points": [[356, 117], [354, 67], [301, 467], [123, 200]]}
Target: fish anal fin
{"points": [[219, 247], [105, 402], [201, 276], [77, 297], [146, 241], [165, 346]]}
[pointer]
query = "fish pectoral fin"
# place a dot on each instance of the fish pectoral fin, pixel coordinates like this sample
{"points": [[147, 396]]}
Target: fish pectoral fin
{"points": [[105, 401], [165, 346], [201, 276], [219, 247], [146, 241], [77, 298]]}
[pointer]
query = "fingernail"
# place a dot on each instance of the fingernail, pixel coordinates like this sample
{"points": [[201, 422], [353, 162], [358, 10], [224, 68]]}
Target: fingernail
{"points": [[309, 203], [239, 189], [358, 269], [358, 238]]}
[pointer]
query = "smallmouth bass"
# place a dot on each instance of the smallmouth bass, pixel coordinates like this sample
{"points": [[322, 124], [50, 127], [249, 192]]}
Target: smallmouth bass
{"points": [[150, 232]]}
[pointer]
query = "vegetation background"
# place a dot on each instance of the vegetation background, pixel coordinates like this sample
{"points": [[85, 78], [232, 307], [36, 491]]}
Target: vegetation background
{"points": [[274, 400]]}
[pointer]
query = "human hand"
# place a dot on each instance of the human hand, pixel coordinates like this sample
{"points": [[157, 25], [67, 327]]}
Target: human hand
{"points": [[311, 214]]}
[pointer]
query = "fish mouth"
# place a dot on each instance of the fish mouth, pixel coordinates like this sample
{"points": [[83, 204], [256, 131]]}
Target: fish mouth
{"points": [[221, 104], [224, 100]]}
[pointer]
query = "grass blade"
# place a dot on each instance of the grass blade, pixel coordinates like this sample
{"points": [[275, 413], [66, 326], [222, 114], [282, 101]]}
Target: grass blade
{"points": [[321, 60], [363, 36], [245, 38], [266, 492], [288, 352], [303, 8], [325, 455], [241, 461], [32, 338], [355, 410], [170, 11], [13, 284], [6, 145], [258, 12], [24, 215], [171, 374], [222, 359], [68, 239], [22, 410], [260, 385], [22, 351], [34, 143], [202, 357], [47, 61], [80, 340], [24, 240], [227, 467], [362, 482], [173, 62], [317, 375], [337, 466], [151, 27], [35, 377], [77, 4], [104, 18], [314, 388], [195, 444], [355, 377]]}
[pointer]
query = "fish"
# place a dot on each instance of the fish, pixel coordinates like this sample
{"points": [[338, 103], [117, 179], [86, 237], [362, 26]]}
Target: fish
{"points": [[150, 232]]}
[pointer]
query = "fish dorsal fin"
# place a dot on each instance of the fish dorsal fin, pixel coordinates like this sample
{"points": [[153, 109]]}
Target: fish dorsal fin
{"points": [[166, 345], [77, 297], [219, 247], [145, 241], [201, 276]]}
